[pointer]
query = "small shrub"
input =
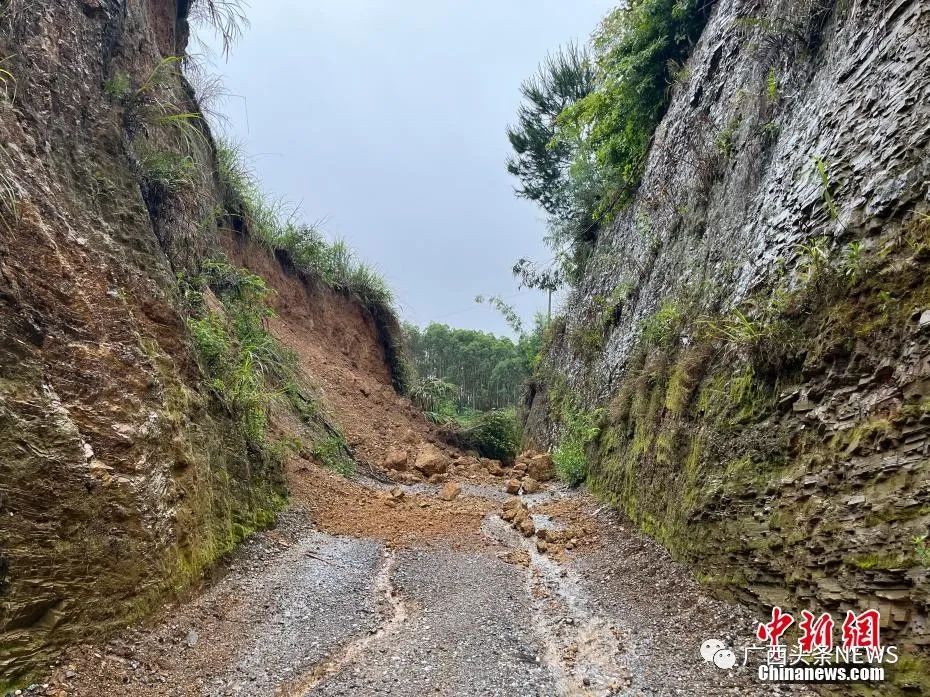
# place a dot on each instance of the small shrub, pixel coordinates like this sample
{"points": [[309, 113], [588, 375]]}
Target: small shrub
{"points": [[662, 328], [332, 452], [571, 463], [494, 434], [922, 550], [436, 398], [826, 188], [168, 171], [771, 86], [118, 87], [570, 457]]}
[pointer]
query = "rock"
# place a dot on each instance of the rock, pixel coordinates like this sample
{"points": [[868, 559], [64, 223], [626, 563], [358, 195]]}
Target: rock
{"points": [[526, 526], [540, 468], [529, 485], [431, 460], [396, 459], [520, 557], [192, 639], [450, 491], [397, 493], [492, 467], [513, 486], [542, 546], [513, 508], [924, 320]]}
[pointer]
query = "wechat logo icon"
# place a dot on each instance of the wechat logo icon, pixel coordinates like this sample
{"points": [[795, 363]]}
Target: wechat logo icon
{"points": [[716, 652]]}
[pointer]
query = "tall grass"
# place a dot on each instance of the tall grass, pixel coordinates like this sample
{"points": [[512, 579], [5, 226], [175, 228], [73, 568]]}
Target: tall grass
{"points": [[227, 17], [305, 248]]}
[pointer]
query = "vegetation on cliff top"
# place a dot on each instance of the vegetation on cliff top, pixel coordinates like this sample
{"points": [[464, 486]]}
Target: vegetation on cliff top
{"points": [[584, 130], [307, 251]]}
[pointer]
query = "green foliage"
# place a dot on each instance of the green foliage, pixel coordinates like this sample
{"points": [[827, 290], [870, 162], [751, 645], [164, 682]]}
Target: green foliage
{"points": [[539, 163], [246, 366], [662, 328], [922, 550], [826, 187], [724, 139], [118, 87], [332, 452], [584, 132], [494, 434], [169, 171], [580, 429], [487, 370], [436, 398], [637, 48], [771, 86]]}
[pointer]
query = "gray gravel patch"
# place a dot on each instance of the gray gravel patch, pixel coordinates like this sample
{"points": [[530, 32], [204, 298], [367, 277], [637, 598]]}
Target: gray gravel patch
{"points": [[309, 606], [468, 631]]}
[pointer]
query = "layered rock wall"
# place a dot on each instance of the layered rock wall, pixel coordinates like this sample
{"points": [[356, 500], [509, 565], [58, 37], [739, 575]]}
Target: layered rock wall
{"points": [[755, 325]]}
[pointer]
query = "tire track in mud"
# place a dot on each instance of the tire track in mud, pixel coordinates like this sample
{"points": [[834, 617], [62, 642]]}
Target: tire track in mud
{"points": [[396, 615]]}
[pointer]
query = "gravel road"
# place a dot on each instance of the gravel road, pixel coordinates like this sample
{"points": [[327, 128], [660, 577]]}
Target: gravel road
{"points": [[301, 612]]}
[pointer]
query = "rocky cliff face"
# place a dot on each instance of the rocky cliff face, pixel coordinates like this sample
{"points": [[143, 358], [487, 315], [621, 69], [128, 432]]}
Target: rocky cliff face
{"points": [[122, 476], [756, 325]]}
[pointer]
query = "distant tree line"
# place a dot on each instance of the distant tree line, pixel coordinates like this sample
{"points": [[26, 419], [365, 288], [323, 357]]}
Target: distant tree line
{"points": [[486, 371]]}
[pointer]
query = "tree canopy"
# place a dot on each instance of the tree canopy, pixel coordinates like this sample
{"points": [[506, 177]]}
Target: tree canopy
{"points": [[488, 371]]}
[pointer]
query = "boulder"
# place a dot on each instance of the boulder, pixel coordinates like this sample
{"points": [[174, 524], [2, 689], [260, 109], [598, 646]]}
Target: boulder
{"points": [[396, 459], [529, 485], [525, 526], [431, 460], [513, 486], [540, 468]]}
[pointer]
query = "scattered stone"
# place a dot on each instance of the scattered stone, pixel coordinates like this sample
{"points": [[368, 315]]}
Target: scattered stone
{"points": [[542, 546], [529, 485], [450, 491], [192, 639], [519, 557], [513, 486]]}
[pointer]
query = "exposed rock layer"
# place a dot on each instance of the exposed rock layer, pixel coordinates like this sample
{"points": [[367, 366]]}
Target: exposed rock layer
{"points": [[121, 476], [792, 164]]}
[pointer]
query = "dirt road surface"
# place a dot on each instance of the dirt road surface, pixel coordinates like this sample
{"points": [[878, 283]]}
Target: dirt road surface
{"points": [[377, 591]]}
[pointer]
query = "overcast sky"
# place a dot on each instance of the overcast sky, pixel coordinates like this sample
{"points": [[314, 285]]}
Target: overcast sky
{"points": [[387, 120]]}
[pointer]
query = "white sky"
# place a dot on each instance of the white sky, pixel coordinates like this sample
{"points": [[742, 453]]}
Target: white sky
{"points": [[387, 120]]}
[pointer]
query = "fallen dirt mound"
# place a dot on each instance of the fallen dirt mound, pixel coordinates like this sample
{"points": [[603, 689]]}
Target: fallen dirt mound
{"points": [[397, 516]]}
